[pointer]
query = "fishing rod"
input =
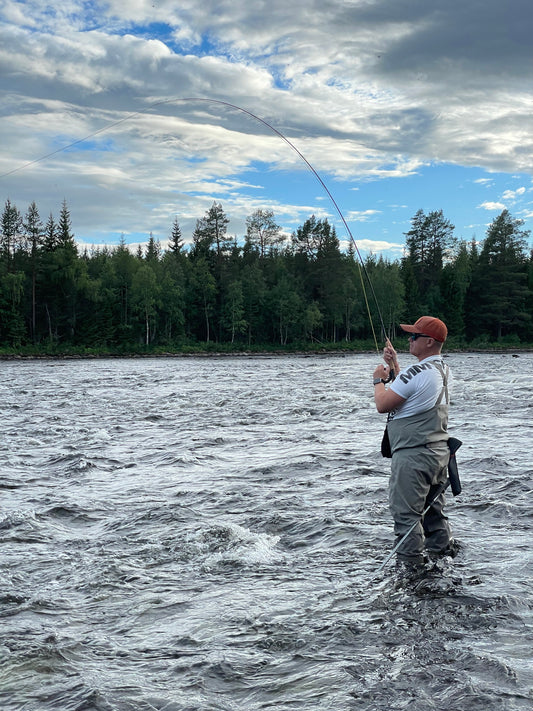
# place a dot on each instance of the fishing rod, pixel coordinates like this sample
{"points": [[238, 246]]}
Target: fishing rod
{"points": [[264, 123], [322, 183]]}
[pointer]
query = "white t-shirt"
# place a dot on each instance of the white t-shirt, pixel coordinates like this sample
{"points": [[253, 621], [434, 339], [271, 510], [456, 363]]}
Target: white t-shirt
{"points": [[420, 385]]}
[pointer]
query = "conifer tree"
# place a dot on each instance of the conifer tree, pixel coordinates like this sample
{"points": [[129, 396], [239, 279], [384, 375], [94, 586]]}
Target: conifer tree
{"points": [[211, 231], [176, 240], [454, 283], [499, 282], [262, 231], [51, 241], [12, 226], [65, 236], [125, 265], [35, 234], [427, 243], [153, 250]]}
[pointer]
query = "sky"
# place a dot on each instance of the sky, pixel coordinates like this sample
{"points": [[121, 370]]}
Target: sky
{"points": [[137, 112]]}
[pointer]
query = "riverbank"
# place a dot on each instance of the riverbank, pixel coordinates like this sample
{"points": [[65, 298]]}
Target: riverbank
{"points": [[219, 351]]}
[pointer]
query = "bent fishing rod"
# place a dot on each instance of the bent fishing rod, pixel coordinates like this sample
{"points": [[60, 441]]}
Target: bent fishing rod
{"points": [[262, 121]]}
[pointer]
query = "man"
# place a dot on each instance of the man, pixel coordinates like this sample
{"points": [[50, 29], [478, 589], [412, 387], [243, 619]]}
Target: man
{"points": [[417, 427]]}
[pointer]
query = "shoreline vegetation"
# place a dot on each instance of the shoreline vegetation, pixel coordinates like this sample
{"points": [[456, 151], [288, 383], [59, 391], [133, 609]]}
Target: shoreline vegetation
{"points": [[221, 350], [269, 295]]}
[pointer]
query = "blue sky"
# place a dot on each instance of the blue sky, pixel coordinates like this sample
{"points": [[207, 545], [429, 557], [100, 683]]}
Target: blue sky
{"points": [[399, 105]]}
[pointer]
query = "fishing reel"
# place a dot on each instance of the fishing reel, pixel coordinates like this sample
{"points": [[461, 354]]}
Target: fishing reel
{"points": [[392, 376]]}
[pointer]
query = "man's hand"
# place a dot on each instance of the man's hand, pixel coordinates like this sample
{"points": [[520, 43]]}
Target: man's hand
{"points": [[390, 357], [385, 398], [382, 371]]}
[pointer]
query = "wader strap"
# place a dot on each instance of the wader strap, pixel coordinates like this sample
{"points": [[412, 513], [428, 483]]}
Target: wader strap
{"points": [[444, 391]]}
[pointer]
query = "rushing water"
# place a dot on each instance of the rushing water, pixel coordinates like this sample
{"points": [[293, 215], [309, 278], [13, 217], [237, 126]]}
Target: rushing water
{"points": [[195, 534]]}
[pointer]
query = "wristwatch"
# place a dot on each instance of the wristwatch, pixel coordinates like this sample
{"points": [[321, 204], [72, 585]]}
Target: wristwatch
{"points": [[378, 380]]}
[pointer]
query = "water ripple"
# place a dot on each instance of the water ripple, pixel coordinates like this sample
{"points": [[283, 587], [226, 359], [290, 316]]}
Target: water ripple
{"points": [[204, 534]]}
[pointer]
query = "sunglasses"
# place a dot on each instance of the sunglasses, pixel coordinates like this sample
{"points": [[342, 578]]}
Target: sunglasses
{"points": [[414, 336]]}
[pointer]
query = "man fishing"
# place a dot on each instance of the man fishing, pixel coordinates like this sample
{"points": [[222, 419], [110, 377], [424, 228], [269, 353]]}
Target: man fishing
{"points": [[417, 428]]}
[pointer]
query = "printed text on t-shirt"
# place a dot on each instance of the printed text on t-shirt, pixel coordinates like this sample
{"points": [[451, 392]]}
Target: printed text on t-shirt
{"points": [[414, 370]]}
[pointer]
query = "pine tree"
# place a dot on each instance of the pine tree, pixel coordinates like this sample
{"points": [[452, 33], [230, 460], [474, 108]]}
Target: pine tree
{"points": [[262, 232], [11, 318], [172, 308], [500, 279], [254, 295], [35, 234], [455, 280], [64, 276], [428, 242], [211, 231], [125, 265], [313, 237], [11, 232]]}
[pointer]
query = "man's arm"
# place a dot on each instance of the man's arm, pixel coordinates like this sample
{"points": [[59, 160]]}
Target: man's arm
{"points": [[385, 399]]}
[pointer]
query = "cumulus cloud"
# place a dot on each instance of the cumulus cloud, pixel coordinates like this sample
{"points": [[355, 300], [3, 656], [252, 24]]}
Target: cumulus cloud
{"points": [[370, 246], [361, 215], [492, 205], [366, 91], [513, 194]]}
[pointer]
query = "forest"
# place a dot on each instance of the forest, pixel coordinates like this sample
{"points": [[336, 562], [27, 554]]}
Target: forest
{"points": [[265, 291]]}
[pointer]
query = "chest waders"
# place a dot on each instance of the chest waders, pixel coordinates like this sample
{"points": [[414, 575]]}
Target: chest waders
{"points": [[423, 428], [453, 481], [419, 445]]}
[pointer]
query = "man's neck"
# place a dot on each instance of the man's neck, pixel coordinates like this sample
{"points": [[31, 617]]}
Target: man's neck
{"points": [[429, 355]]}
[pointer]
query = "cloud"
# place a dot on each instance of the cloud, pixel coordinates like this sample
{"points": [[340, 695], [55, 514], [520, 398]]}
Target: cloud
{"points": [[370, 246], [366, 91], [361, 215], [511, 195], [492, 205]]}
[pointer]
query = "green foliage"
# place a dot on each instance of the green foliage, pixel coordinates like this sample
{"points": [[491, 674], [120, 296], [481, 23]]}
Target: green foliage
{"points": [[500, 282], [428, 243], [262, 232], [217, 296]]}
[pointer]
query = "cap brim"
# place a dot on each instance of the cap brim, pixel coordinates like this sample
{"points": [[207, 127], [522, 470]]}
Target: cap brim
{"points": [[408, 328]]}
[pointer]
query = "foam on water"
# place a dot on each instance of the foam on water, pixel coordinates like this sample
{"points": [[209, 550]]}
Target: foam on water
{"points": [[180, 534]]}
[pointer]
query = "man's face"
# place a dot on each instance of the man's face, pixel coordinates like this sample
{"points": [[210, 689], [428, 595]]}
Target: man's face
{"points": [[419, 347]]}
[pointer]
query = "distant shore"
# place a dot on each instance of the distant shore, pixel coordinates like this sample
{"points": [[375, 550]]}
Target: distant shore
{"points": [[339, 352]]}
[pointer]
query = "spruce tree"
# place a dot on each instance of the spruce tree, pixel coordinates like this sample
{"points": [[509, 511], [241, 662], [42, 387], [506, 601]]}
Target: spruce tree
{"points": [[499, 282], [176, 240], [35, 235], [427, 243], [12, 226]]}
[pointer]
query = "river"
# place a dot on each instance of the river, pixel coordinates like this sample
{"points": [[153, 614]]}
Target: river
{"points": [[192, 534]]}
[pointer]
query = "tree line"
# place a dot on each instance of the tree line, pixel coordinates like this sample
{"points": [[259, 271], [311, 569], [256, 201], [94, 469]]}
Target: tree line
{"points": [[264, 291]]}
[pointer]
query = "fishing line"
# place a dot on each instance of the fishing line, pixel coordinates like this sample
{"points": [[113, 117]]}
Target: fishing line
{"points": [[274, 130]]}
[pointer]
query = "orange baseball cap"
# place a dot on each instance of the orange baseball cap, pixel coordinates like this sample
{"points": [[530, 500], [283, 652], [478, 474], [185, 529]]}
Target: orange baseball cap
{"points": [[428, 326]]}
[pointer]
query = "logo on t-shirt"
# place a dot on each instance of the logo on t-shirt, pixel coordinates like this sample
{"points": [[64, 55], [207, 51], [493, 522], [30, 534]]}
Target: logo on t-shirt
{"points": [[414, 370]]}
